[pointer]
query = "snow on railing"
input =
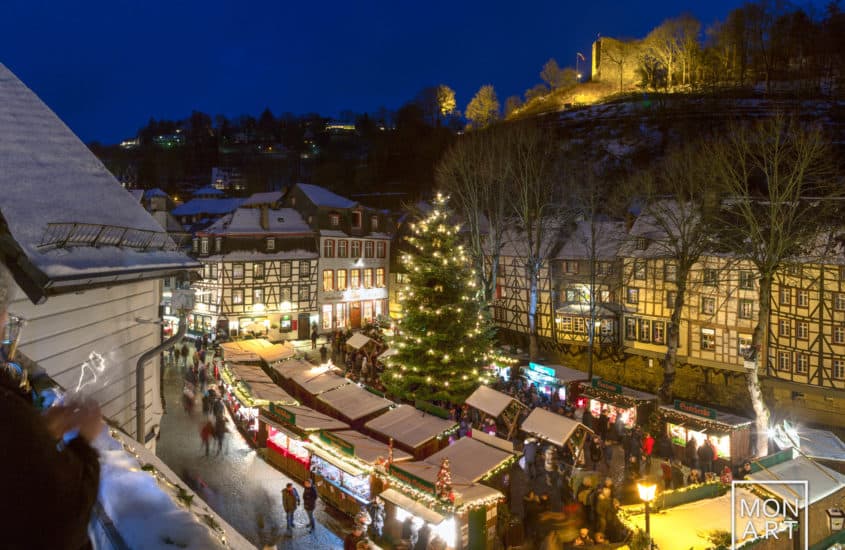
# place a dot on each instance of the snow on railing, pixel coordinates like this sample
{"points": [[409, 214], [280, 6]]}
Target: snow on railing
{"points": [[60, 235], [143, 504]]}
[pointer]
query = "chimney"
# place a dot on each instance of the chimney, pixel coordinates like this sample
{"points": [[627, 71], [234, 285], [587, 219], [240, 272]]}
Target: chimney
{"points": [[264, 220]]}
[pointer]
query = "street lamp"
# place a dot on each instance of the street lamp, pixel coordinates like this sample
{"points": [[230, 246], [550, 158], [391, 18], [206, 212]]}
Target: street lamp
{"points": [[647, 492]]}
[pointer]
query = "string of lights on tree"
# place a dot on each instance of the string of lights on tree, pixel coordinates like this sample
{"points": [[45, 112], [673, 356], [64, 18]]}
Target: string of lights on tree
{"points": [[444, 338]]}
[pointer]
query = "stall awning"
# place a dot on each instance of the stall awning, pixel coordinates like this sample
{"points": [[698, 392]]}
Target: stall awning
{"points": [[358, 340], [311, 378], [354, 402], [470, 458], [490, 401], [821, 480], [304, 418], [551, 427], [412, 507], [611, 392], [280, 427], [409, 426]]}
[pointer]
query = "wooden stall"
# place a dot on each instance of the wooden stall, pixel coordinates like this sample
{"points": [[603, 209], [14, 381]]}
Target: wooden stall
{"points": [[353, 404], [343, 463], [245, 389], [634, 406], [551, 379], [500, 406], [556, 429], [729, 433], [257, 349], [412, 430], [306, 381]]}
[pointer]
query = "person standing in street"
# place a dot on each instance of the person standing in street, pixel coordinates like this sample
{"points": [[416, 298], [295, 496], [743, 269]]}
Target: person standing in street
{"points": [[290, 502], [309, 502], [314, 336]]}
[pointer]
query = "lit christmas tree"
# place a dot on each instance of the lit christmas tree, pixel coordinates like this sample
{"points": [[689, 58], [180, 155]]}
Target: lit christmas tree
{"points": [[445, 336]]}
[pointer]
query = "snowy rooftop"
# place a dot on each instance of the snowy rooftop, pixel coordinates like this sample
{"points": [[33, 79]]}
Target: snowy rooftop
{"points": [[208, 191], [195, 207], [49, 176], [409, 426], [248, 221], [155, 192], [609, 236], [321, 196], [263, 198]]}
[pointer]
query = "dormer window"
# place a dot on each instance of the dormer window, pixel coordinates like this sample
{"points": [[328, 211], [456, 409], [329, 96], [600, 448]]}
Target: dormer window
{"points": [[374, 223], [334, 220], [642, 243], [356, 219], [271, 244], [204, 245], [218, 244]]}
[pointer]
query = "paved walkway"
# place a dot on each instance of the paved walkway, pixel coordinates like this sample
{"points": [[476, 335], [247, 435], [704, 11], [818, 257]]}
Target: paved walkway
{"points": [[238, 484]]}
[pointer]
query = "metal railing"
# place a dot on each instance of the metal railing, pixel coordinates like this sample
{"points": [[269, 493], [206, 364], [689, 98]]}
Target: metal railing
{"points": [[60, 235]]}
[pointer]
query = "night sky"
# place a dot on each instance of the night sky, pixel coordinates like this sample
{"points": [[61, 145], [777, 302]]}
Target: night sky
{"points": [[106, 67]]}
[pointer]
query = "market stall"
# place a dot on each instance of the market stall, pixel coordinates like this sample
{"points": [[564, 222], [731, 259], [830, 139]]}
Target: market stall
{"points": [[634, 406], [499, 406], [555, 428], [360, 341], [552, 378], [412, 430], [353, 404], [306, 381], [255, 350], [285, 430], [729, 433], [454, 484], [343, 463], [245, 389]]}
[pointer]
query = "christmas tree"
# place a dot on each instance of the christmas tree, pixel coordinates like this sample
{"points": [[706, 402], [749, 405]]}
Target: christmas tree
{"points": [[444, 338]]}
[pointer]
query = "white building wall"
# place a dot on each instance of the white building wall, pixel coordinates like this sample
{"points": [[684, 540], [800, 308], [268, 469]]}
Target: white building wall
{"points": [[62, 332]]}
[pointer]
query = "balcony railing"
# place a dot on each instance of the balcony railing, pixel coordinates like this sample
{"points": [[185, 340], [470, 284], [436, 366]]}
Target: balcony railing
{"points": [[60, 235]]}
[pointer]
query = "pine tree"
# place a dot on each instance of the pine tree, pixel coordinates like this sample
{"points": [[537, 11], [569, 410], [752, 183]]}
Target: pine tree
{"points": [[444, 337]]}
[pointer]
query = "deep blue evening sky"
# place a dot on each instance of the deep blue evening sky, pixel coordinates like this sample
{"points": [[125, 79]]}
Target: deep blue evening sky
{"points": [[107, 66]]}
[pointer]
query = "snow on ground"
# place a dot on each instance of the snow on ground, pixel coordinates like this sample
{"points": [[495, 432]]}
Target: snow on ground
{"points": [[145, 507]]}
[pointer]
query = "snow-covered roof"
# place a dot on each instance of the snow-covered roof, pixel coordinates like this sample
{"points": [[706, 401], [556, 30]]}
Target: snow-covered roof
{"points": [[354, 402], [366, 448], [312, 378], [137, 194], [358, 340], [49, 176], [609, 237], [248, 221], [263, 198], [195, 207], [154, 192], [551, 427], [208, 191], [821, 480], [470, 458], [489, 401], [306, 418], [321, 196], [255, 256], [409, 426]]}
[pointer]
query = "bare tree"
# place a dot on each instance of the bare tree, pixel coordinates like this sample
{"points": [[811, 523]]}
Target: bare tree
{"points": [[781, 185], [472, 173], [621, 53], [670, 44], [537, 206], [674, 227]]}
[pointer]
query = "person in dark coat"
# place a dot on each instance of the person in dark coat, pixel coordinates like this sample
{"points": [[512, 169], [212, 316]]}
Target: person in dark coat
{"points": [[602, 425], [530, 453], [290, 501], [309, 502], [664, 447], [314, 335], [49, 489], [691, 453], [705, 457], [587, 419]]}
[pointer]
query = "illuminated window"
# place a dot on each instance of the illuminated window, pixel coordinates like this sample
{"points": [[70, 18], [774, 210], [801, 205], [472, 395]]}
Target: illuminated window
{"points": [[708, 339], [304, 293], [743, 345], [354, 278], [334, 220], [579, 325], [369, 247], [670, 272], [803, 298], [785, 296], [304, 268], [257, 296], [630, 328], [839, 334], [237, 271], [746, 280], [783, 361], [328, 248], [237, 296], [639, 270], [380, 277], [356, 219], [258, 270], [802, 330], [356, 249], [341, 279], [284, 294], [284, 270], [802, 363], [381, 249], [708, 305], [340, 315], [783, 328], [710, 277], [328, 279], [271, 244], [204, 245], [368, 278], [658, 332], [645, 330], [839, 301], [195, 246], [746, 309], [342, 249], [632, 295], [570, 267], [839, 369], [565, 324], [218, 244], [326, 317], [604, 268]]}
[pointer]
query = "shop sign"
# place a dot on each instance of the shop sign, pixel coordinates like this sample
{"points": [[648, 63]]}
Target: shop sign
{"points": [[344, 446], [548, 371], [281, 414], [697, 410], [412, 480], [601, 384]]}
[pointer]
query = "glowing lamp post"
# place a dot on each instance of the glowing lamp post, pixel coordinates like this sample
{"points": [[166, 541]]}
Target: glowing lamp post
{"points": [[647, 493]]}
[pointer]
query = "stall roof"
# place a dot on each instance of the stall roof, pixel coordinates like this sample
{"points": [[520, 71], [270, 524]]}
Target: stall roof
{"points": [[268, 391], [256, 349], [469, 458], [727, 419], [306, 418], [489, 401], [312, 378], [468, 490], [410, 505], [821, 480], [354, 402], [551, 427], [630, 393], [248, 373], [358, 340], [565, 374], [819, 444], [409, 426], [367, 449]]}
